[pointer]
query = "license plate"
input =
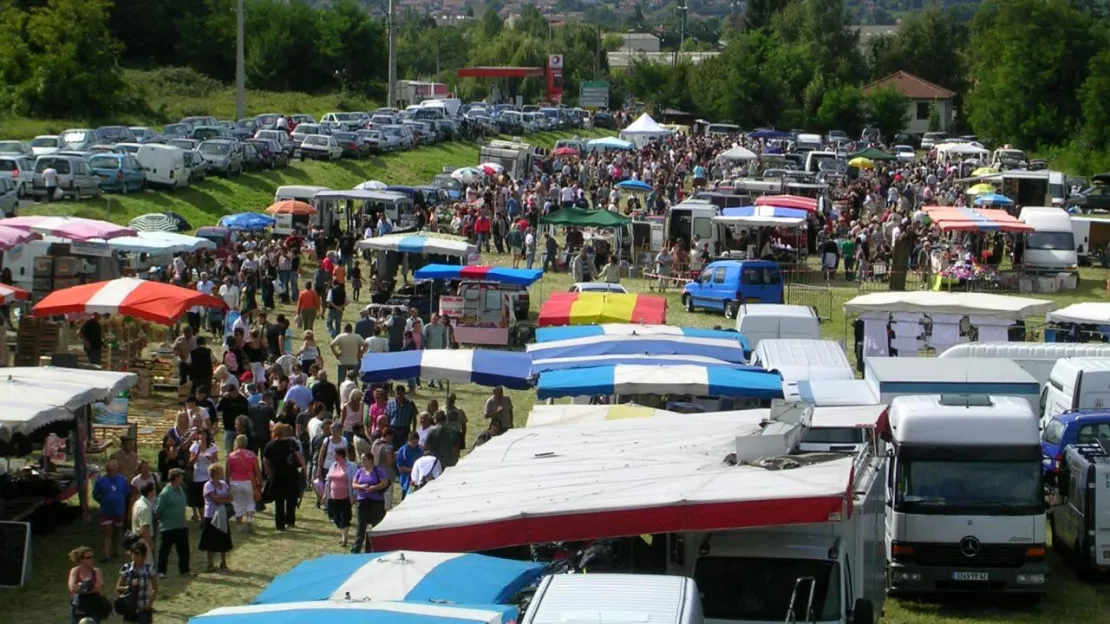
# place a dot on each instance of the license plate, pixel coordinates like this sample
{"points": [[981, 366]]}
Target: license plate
{"points": [[104, 177], [970, 576]]}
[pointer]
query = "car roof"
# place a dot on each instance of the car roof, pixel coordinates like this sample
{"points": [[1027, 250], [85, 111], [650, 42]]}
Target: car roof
{"points": [[1082, 416]]}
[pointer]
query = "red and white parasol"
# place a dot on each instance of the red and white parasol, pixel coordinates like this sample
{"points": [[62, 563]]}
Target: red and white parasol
{"points": [[9, 294], [73, 228], [12, 237], [151, 301]]}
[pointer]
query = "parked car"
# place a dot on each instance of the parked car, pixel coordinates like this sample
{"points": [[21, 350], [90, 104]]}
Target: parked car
{"points": [[224, 157], [1095, 197], [118, 172], [195, 165], [185, 144], [376, 121], [177, 131], [75, 178], [280, 137], [80, 138], [726, 284], [8, 148], [449, 185], [20, 169], [268, 150], [267, 121], [116, 134], [321, 147], [402, 135], [598, 287], [244, 128], [252, 157], [164, 166], [205, 133], [106, 149], [374, 140], [201, 120], [932, 139], [46, 144], [9, 197], [301, 118], [350, 144], [905, 138], [604, 120], [1070, 428], [347, 119], [307, 129], [130, 148], [905, 153], [145, 135]]}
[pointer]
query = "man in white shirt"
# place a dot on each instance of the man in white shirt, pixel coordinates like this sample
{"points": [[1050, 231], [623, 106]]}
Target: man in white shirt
{"points": [[229, 292], [349, 385], [50, 181], [425, 470], [377, 343]]}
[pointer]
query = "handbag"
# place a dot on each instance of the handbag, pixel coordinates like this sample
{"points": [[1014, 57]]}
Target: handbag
{"points": [[127, 603], [256, 488]]}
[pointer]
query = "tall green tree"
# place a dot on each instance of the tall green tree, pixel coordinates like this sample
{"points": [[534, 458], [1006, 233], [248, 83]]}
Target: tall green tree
{"points": [[929, 44], [888, 110], [841, 109]]}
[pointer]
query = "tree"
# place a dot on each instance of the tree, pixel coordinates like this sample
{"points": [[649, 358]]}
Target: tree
{"points": [[1093, 98], [72, 62], [934, 117], [888, 110], [841, 109], [929, 44], [490, 26]]}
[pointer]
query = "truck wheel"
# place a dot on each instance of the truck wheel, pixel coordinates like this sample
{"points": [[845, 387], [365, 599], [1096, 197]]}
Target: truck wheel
{"points": [[731, 308], [689, 302]]}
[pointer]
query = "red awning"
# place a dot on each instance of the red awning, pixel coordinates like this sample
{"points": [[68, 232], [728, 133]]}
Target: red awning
{"points": [[499, 72]]}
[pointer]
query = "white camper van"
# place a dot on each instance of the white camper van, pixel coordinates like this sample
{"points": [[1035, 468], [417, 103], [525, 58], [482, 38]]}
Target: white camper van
{"points": [[1076, 383], [1050, 248]]}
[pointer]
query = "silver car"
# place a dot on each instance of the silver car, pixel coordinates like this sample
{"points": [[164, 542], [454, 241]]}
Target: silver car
{"points": [[15, 148], [80, 139], [75, 178], [223, 156], [9, 197], [20, 170]]}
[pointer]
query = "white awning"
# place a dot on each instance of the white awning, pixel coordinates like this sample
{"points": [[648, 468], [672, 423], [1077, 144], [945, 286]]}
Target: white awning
{"points": [[928, 302], [1089, 312]]}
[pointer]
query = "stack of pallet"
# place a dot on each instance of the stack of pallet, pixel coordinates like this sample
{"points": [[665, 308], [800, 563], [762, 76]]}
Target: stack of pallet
{"points": [[145, 370], [164, 374], [35, 338]]}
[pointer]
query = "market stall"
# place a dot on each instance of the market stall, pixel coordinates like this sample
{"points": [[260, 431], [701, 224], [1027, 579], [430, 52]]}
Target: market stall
{"points": [[72, 228], [481, 307], [484, 367], [549, 334], [594, 308], [644, 130], [1080, 322], [160, 242], [160, 222], [974, 260], [905, 323], [686, 381], [157, 302], [409, 576], [542, 365], [247, 221], [609, 144], [420, 244], [788, 225]]}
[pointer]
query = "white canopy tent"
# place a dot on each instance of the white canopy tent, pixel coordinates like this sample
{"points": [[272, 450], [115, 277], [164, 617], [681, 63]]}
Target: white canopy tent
{"points": [[157, 241], [548, 415], [644, 129], [738, 153], [37, 396], [1088, 312], [929, 302]]}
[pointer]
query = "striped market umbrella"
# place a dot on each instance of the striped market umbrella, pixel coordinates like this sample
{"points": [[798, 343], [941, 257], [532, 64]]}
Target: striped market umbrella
{"points": [[156, 302]]}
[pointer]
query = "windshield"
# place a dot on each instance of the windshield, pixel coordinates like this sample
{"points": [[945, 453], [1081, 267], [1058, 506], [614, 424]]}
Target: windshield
{"points": [[447, 182], [176, 129], [749, 588], [214, 148], [104, 162], [45, 142], [109, 132], [74, 137], [1052, 241], [953, 487], [183, 144]]}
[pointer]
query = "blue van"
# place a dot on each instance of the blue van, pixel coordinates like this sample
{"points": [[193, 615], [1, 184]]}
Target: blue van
{"points": [[1070, 428], [727, 284]]}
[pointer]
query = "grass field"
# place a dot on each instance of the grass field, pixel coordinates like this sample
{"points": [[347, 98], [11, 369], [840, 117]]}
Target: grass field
{"points": [[258, 557]]}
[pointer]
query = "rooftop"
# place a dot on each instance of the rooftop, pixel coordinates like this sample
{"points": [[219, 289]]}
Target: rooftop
{"points": [[911, 86]]}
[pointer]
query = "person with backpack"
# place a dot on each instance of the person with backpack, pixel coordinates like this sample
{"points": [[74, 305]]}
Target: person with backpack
{"points": [[336, 301]]}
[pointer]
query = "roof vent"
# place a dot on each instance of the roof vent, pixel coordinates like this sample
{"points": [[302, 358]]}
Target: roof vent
{"points": [[780, 434], [966, 400]]}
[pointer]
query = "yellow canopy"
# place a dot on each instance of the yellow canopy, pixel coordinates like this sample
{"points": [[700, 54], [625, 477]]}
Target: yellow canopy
{"points": [[861, 163], [980, 189], [982, 171]]}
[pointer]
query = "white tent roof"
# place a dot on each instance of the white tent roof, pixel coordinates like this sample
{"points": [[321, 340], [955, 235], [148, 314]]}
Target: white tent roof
{"points": [[645, 125], [37, 396], [738, 152], [1094, 313], [929, 302], [609, 479], [159, 241], [546, 415]]}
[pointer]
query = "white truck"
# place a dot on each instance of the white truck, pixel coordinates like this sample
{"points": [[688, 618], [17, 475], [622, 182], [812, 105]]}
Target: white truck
{"points": [[1080, 515], [828, 572], [515, 156], [965, 502], [640, 598]]}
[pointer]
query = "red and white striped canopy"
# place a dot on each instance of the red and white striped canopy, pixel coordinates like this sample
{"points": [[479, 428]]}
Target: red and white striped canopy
{"points": [[151, 301], [11, 293]]}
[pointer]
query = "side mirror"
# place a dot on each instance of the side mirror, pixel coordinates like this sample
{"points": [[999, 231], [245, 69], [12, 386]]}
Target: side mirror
{"points": [[863, 612]]}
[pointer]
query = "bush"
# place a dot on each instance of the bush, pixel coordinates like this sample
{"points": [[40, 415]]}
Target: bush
{"points": [[176, 82]]}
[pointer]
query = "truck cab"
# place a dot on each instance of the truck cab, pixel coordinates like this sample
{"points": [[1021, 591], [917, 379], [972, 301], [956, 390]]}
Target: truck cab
{"points": [[726, 285], [965, 503]]}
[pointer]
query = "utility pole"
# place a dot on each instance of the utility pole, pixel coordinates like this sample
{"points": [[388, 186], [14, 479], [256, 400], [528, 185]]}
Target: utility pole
{"points": [[597, 57], [240, 66], [392, 76], [682, 37], [437, 59]]}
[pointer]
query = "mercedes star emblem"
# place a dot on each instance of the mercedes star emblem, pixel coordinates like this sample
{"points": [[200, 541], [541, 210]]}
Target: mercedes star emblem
{"points": [[969, 546]]}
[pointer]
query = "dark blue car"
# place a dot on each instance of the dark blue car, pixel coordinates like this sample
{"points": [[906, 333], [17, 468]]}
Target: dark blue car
{"points": [[1069, 428]]}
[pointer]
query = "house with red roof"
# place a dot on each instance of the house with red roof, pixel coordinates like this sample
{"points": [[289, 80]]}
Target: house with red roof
{"points": [[922, 95]]}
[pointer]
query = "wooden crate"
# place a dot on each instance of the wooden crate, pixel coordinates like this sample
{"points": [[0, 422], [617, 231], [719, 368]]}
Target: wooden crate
{"points": [[35, 338]]}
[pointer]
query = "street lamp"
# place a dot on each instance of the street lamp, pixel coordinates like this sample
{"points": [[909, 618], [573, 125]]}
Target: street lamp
{"points": [[240, 66]]}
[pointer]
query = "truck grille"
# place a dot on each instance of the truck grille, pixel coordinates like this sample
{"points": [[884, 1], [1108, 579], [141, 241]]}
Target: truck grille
{"points": [[989, 555]]}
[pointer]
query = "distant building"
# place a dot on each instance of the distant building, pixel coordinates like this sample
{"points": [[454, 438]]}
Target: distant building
{"points": [[639, 42], [621, 60], [922, 95], [867, 33]]}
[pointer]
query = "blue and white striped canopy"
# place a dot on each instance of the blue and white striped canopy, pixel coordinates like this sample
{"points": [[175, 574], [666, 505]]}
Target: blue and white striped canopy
{"points": [[589, 361], [484, 367], [713, 381], [729, 350], [551, 334], [359, 613], [762, 216], [411, 576]]}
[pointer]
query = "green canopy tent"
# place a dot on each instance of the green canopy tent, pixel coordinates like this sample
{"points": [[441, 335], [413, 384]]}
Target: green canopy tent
{"points": [[579, 217], [873, 154]]}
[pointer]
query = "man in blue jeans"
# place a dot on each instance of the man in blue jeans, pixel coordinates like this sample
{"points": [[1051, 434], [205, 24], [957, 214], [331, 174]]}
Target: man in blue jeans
{"points": [[336, 301]]}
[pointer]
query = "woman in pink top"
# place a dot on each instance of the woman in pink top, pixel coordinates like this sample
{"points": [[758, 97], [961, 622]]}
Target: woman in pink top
{"points": [[377, 411], [242, 472], [340, 493]]}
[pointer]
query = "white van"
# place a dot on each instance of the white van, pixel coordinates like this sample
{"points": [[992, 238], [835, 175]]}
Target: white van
{"points": [[816, 157], [163, 165], [1050, 248], [759, 321], [615, 598], [1091, 234], [1036, 358], [1076, 383], [808, 142], [803, 359]]}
